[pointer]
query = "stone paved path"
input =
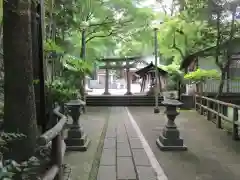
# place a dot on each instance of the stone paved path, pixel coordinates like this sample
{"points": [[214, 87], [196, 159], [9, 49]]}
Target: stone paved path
{"points": [[123, 156]]}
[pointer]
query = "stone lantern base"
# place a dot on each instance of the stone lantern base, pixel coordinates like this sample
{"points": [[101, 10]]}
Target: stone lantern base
{"points": [[128, 93], [169, 140], [106, 93], [77, 140], [156, 110]]}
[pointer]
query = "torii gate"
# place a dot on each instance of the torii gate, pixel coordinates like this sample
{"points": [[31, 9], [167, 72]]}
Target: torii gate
{"points": [[130, 63]]}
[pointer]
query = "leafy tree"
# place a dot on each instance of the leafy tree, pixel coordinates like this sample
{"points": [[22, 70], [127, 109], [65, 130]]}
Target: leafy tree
{"points": [[198, 25], [181, 36], [175, 76], [93, 29]]}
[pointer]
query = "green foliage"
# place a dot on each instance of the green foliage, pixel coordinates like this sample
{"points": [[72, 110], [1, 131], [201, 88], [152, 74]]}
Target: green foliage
{"points": [[190, 36], [201, 75], [108, 26], [50, 46], [36, 81], [8, 168], [172, 69], [6, 138], [75, 64], [31, 169], [174, 76], [60, 91]]}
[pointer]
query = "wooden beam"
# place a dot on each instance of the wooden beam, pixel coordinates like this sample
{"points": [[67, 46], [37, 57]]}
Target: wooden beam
{"points": [[117, 66], [121, 59]]}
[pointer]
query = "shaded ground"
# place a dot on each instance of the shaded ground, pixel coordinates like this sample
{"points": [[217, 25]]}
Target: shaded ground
{"points": [[211, 155], [81, 162]]}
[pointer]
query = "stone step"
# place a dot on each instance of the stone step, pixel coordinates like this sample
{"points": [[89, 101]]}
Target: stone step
{"points": [[124, 100]]}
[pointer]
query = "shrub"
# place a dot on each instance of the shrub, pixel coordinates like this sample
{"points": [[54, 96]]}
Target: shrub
{"points": [[60, 91], [201, 75], [27, 170]]}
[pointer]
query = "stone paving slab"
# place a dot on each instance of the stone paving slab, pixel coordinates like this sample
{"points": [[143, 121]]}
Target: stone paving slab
{"points": [[145, 173], [108, 157], [111, 133], [109, 143], [124, 151], [107, 172], [135, 143], [140, 157], [125, 169]]}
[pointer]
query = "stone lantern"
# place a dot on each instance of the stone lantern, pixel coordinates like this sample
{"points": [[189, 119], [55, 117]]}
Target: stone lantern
{"points": [[77, 140], [170, 140]]}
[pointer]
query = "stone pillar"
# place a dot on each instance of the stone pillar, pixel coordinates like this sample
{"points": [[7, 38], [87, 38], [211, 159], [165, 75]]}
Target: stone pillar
{"points": [[128, 79], [106, 92]]}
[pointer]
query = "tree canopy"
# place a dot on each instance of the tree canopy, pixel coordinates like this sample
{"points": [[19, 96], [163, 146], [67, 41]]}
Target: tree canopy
{"points": [[107, 26]]}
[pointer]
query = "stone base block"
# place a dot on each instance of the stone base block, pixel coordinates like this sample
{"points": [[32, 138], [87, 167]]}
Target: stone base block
{"points": [[78, 144], [163, 147], [75, 132], [128, 93], [170, 133], [106, 93], [156, 110]]}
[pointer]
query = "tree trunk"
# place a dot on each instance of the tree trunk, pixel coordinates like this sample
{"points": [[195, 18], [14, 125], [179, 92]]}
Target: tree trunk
{"points": [[221, 84], [224, 68], [83, 56], [19, 101]]}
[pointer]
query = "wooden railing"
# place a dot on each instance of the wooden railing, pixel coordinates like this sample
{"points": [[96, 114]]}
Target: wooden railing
{"points": [[54, 137], [218, 111]]}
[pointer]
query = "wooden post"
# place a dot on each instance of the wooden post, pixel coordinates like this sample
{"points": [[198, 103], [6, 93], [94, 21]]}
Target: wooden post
{"points": [[209, 113], [142, 83], [196, 101], [201, 103], [235, 126], [57, 151], [219, 119]]}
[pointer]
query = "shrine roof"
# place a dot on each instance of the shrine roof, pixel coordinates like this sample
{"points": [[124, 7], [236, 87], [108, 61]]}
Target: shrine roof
{"points": [[149, 68]]}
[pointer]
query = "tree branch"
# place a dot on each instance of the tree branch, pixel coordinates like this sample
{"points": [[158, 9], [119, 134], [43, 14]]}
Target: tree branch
{"points": [[100, 36], [185, 37], [114, 30], [174, 46], [105, 22]]}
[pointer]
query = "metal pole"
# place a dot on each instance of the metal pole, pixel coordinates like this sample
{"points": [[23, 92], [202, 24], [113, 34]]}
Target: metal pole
{"points": [[156, 108]]}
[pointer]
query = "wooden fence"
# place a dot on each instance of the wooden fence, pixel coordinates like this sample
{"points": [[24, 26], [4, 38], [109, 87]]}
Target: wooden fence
{"points": [[211, 86], [55, 137], [219, 111], [230, 86]]}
